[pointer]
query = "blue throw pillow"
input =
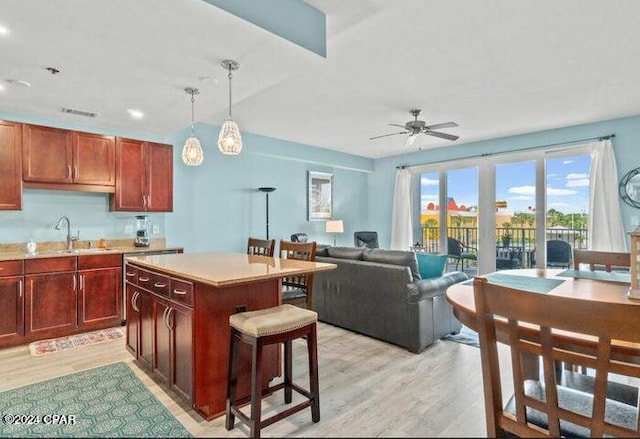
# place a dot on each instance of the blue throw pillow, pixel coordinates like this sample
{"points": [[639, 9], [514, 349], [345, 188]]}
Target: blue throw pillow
{"points": [[431, 265]]}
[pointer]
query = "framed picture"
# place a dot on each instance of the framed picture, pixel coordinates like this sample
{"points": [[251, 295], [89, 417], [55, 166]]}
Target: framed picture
{"points": [[320, 195]]}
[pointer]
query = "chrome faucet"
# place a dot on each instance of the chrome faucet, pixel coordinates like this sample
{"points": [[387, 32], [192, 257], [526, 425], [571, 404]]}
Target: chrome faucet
{"points": [[70, 238]]}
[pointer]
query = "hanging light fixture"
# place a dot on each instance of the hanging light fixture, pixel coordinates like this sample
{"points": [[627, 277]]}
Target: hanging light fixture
{"points": [[192, 154], [229, 140]]}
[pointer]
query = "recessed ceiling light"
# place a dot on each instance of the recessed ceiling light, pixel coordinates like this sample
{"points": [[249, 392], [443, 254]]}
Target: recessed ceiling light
{"points": [[3, 30], [136, 114], [17, 83]]}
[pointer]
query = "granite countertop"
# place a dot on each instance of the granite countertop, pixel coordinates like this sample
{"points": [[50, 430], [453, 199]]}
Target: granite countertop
{"points": [[221, 269], [9, 252]]}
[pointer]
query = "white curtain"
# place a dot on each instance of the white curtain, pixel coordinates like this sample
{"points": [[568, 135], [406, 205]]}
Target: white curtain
{"points": [[401, 224], [606, 229]]}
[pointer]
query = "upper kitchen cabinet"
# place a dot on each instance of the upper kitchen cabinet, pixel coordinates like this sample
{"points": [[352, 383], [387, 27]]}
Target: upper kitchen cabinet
{"points": [[144, 177], [54, 158], [10, 166]]}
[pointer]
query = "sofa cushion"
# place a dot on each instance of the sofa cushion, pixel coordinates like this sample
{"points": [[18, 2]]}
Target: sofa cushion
{"points": [[394, 257], [322, 250], [346, 252], [431, 265]]}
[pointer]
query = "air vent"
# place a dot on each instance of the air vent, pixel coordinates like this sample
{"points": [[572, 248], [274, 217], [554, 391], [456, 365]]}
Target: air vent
{"points": [[79, 112]]}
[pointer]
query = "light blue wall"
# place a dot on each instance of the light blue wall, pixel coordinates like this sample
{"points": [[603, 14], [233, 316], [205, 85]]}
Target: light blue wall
{"points": [[217, 205], [88, 212], [626, 146]]}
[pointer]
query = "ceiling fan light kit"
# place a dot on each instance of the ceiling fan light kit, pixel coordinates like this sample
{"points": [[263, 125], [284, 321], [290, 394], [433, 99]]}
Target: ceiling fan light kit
{"points": [[192, 154], [229, 139], [415, 127]]}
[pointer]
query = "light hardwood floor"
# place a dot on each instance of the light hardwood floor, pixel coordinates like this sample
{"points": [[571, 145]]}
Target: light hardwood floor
{"points": [[367, 387]]}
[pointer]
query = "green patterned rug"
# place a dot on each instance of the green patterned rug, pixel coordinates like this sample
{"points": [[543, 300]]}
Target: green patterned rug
{"points": [[108, 401]]}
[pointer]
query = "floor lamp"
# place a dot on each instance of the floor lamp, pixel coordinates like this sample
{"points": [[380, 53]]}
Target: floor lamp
{"points": [[267, 190]]}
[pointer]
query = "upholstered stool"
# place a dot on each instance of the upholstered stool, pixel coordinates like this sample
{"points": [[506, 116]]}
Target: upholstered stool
{"points": [[280, 324]]}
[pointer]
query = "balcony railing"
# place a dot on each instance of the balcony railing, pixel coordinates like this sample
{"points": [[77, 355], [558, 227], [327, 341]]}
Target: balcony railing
{"points": [[519, 237]]}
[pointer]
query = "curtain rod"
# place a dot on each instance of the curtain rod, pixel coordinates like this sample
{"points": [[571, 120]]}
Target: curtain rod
{"points": [[488, 154]]}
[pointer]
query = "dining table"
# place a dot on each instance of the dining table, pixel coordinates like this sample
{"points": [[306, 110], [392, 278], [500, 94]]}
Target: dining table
{"points": [[595, 286]]}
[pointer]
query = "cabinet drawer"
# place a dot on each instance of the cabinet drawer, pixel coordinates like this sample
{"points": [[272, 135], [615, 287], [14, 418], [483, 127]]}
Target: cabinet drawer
{"points": [[160, 284], [11, 268], [182, 291], [144, 279], [131, 273], [87, 262], [50, 265]]}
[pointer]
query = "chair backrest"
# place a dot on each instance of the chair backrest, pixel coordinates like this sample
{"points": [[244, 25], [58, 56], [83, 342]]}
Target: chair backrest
{"points": [[558, 252], [597, 259], [454, 247], [365, 239], [262, 247], [299, 237], [303, 251], [507, 315]]}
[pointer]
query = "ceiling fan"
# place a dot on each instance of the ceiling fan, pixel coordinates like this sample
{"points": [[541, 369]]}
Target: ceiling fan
{"points": [[415, 127]]}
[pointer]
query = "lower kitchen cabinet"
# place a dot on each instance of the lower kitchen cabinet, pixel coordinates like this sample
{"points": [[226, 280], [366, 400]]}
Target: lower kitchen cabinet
{"points": [[50, 303], [100, 297], [133, 320], [145, 304], [11, 308]]}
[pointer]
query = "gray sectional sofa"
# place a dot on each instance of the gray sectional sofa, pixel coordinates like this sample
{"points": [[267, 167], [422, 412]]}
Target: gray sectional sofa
{"points": [[379, 293]]}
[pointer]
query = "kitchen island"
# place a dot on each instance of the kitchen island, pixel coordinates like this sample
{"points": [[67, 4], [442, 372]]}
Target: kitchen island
{"points": [[178, 309]]}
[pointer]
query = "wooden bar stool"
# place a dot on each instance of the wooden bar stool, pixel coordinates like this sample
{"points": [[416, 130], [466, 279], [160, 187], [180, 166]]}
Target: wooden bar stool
{"points": [[280, 324]]}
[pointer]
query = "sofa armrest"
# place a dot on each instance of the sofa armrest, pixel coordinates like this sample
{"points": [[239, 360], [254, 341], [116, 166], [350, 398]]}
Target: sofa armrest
{"points": [[437, 286]]}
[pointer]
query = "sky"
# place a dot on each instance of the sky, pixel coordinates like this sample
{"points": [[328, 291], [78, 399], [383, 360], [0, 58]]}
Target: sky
{"points": [[567, 185]]}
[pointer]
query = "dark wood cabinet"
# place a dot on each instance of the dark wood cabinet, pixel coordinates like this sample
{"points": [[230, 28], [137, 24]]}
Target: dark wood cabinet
{"points": [[11, 301], [144, 177], [10, 165], [61, 159], [50, 303], [180, 322], [146, 310], [132, 328], [100, 290]]}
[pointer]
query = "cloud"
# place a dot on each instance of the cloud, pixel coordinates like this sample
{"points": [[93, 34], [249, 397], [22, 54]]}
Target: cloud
{"points": [[567, 162], [531, 191], [426, 197], [425, 181], [522, 198], [559, 204], [577, 180]]}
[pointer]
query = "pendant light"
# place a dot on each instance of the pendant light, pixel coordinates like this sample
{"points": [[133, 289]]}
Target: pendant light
{"points": [[192, 154], [229, 140]]}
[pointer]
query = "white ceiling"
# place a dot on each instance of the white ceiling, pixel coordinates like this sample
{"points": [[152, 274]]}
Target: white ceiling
{"points": [[496, 67]]}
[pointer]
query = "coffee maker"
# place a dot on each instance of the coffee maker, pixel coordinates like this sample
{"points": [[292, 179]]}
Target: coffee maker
{"points": [[142, 232]]}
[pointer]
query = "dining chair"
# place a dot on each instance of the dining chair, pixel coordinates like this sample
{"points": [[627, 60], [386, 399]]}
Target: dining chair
{"points": [[558, 254], [459, 251], [529, 323], [261, 247], [298, 290], [365, 239], [599, 259], [299, 237]]}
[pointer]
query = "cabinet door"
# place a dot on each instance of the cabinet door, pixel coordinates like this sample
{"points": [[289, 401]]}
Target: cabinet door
{"points": [[99, 301], [47, 154], [131, 177], [94, 159], [145, 304], [50, 303], [162, 354], [180, 320], [160, 174], [10, 165], [11, 308], [133, 320]]}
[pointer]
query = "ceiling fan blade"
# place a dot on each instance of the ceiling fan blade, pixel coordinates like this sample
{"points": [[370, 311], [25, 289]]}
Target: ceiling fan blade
{"points": [[387, 135], [438, 126], [442, 135], [396, 125]]}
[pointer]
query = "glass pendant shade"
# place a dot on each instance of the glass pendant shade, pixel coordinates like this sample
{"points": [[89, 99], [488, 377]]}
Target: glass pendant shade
{"points": [[192, 154], [230, 140]]}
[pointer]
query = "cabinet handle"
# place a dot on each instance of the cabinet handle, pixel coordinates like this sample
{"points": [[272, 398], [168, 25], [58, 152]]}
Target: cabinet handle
{"points": [[130, 274], [75, 283], [169, 319], [134, 300], [180, 292], [159, 285], [147, 202], [143, 279], [75, 172], [20, 288], [82, 282], [69, 171]]}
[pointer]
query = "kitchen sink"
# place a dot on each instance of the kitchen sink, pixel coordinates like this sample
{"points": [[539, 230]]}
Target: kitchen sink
{"points": [[74, 251]]}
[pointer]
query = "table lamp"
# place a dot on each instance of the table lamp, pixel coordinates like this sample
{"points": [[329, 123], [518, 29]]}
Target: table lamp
{"points": [[334, 226]]}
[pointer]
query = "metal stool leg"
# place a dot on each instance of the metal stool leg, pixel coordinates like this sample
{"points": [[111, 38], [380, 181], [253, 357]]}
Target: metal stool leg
{"points": [[312, 350], [288, 366]]}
